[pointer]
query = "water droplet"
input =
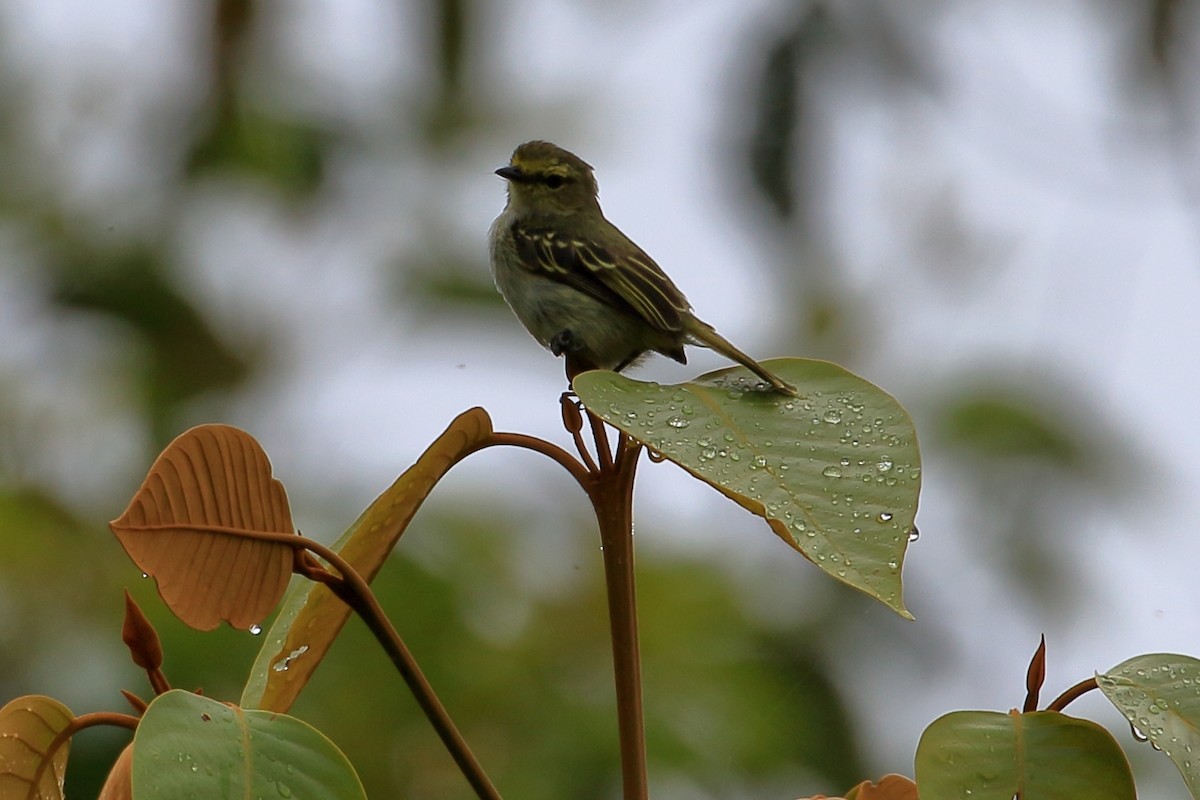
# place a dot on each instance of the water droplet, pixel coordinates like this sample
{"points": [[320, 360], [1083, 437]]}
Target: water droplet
{"points": [[760, 461], [884, 464], [145, 575], [832, 416], [255, 629], [677, 422], [884, 516], [913, 534]]}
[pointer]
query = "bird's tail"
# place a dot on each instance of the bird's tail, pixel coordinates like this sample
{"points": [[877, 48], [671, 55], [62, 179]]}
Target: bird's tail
{"points": [[705, 335]]}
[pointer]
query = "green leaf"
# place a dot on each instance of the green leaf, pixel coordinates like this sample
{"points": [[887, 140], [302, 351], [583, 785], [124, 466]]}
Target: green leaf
{"points": [[1159, 694], [986, 755], [835, 472], [311, 616], [190, 746]]}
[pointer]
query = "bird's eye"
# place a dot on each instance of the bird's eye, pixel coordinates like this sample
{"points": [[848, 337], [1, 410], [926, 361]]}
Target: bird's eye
{"points": [[555, 181]]}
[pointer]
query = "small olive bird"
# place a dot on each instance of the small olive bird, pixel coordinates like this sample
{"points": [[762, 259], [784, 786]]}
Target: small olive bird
{"points": [[579, 285]]}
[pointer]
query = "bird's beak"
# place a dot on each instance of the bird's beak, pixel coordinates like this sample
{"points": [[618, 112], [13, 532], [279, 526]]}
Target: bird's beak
{"points": [[511, 173]]}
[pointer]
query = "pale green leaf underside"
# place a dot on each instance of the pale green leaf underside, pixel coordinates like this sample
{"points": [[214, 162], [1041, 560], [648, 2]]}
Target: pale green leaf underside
{"points": [[987, 755], [1159, 693], [835, 471]]}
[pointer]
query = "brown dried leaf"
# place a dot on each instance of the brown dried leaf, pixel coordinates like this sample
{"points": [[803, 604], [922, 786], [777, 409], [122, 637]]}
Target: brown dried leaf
{"points": [[183, 526], [27, 727], [312, 616]]}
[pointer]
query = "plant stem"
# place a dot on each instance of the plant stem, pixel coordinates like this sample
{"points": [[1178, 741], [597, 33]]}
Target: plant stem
{"points": [[356, 593], [1076, 691], [612, 498]]}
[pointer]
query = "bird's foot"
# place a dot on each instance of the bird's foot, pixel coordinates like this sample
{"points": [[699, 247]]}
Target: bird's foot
{"points": [[565, 341]]}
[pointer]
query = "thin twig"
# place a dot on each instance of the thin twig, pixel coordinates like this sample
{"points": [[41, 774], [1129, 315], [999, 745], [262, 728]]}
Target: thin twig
{"points": [[77, 724], [356, 593], [603, 452], [1075, 692], [568, 462]]}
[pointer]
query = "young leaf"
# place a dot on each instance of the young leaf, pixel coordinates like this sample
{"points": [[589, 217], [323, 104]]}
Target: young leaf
{"points": [[890, 787], [182, 527], [190, 746], [986, 755], [311, 616], [1159, 694], [139, 636], [119, 783], [27, 727], [835, 472]]}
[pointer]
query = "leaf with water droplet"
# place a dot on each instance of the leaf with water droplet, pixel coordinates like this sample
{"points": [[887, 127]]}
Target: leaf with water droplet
{"points": [[28, 768], [209, 484], [1155, 690], [244, 753], [311, 615], [782, 465], [989, 755]]}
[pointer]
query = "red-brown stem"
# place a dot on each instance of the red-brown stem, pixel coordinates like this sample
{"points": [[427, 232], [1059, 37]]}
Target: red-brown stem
{"points": [[356, 593], [612, 497], [1074, 693], [600, 435], [75, 726], [568, 462]]}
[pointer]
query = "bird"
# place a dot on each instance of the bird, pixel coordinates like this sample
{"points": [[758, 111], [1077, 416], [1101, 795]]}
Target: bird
{"points": [[580, 286]]}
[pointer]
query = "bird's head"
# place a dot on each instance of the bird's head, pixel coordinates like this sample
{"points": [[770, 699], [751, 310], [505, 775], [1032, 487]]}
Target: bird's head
{"points": [[546, 180]]}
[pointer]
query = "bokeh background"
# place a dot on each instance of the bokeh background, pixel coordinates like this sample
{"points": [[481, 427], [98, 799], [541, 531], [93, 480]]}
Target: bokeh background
{"points": [[273, 214]]}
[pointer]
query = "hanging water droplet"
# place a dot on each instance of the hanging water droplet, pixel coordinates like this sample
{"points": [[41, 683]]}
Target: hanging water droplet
{"points": [[255, 629], [913, 534]]}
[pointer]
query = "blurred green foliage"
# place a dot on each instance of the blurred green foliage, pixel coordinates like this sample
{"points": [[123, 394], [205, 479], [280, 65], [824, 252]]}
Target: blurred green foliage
{"points": [[736, 707], [528, 675]]}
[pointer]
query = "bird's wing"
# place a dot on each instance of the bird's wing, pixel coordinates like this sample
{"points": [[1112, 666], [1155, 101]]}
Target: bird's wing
{"points": [[625, 278]]}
